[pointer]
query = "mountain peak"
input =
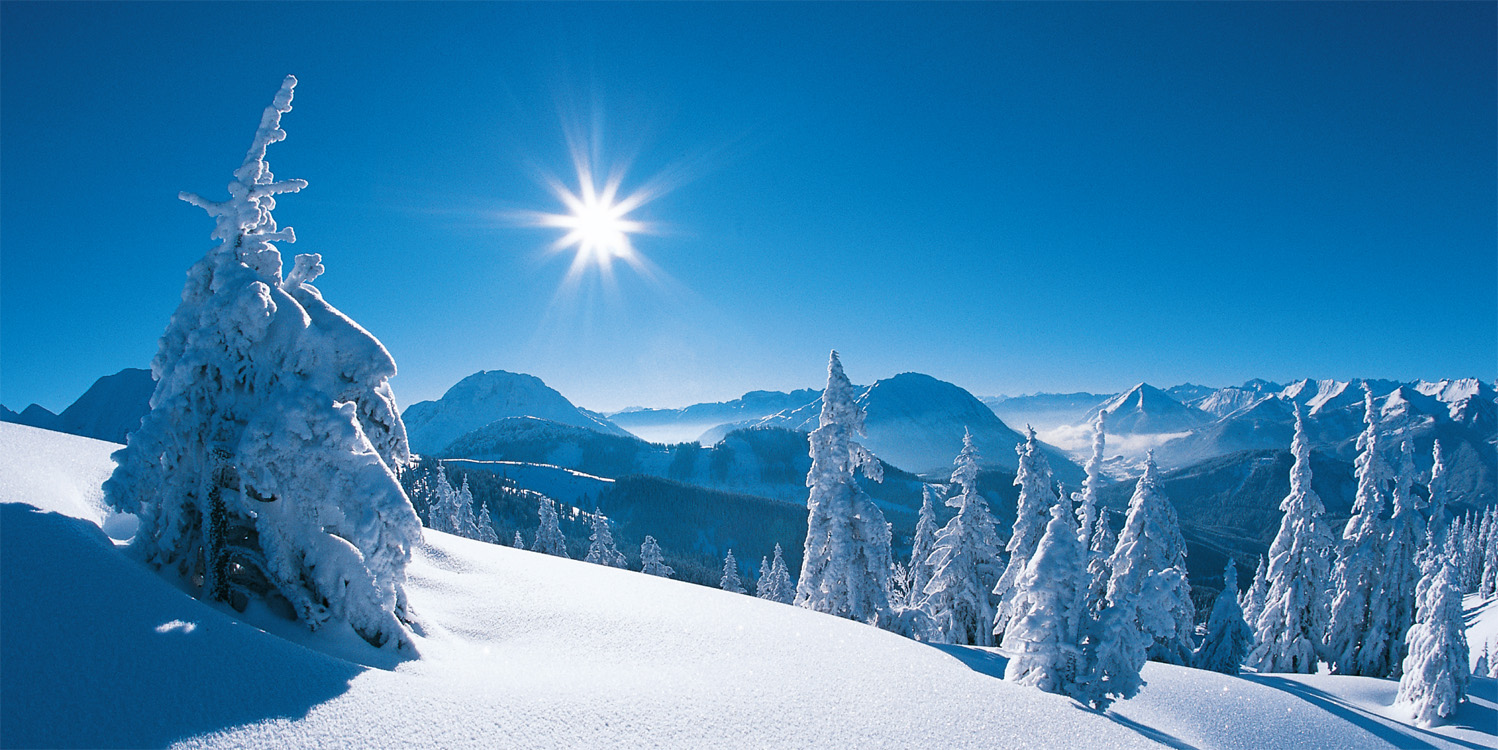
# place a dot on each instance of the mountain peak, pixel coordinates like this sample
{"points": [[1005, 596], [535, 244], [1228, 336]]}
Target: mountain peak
{"points": [[487, 396]]}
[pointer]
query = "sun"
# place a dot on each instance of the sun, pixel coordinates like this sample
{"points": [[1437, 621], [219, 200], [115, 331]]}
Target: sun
{"points": [[596, 225]]}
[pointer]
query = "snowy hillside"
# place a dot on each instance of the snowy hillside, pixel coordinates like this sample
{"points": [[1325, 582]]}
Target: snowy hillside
{"points": [[490, 395], [110, 409], [524, 650]]}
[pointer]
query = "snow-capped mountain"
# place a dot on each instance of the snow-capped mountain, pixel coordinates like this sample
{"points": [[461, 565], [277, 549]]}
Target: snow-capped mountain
{"points": [[1147, 410], [491, 395], [1224, 401], [916, 422], [1045, 411], [688, 423], [109, 410]]}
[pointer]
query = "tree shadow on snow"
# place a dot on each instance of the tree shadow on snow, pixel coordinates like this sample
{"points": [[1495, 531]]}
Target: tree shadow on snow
{"points": [[99, 651], [1469, 716]]}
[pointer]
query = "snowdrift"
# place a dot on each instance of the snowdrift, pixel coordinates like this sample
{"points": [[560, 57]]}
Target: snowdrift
{"points": [[524, 650]]}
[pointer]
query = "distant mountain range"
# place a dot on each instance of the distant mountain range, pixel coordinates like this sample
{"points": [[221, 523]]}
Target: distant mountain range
{"points": [[689, 423], [109, 410], [488, 396]]}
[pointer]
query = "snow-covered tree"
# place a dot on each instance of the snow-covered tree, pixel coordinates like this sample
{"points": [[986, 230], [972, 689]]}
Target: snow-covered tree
{"points": [[1292, 617], [486, 526], [921, 546], [1436, 671], [1150, 563], [549, 539], [651, 561], [845, 568], [1098, 572], [1050, 608], [1438, 494], [964, 561], [1351, 646], [1488, 539], [1395, 613], [1087, 499], [1228, 636], [1032, 515], [601, 549], [519, 541], [1483, 664], [1252, 599], [265, 467], [731, 580], [775, 581]]}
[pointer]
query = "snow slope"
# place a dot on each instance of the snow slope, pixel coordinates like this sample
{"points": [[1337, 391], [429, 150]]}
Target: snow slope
{"points": [[524, 650]]}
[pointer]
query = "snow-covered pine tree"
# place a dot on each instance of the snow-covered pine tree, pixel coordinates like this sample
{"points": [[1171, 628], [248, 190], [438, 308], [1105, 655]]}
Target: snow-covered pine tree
{"points": [[442, 506], [601, 549], [1087, 499], [466, 523], [549, 539], [1150, 562], [1438, 515], [1392, 619], [1050, 608], [1488, 588], [845, 569], [486, 526], [1436, 672], [775, 584], [762, 581], [1482, 666], [1293, 615], [651, 561], [1228, 636], [1032, 515], [519, 541], [921, 546], [964, 561], [1351, 646], [1098, 572], [1252, 600], [731, 580], [265, 467]]}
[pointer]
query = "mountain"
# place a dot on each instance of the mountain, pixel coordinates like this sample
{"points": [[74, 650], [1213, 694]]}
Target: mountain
{"points": [[491, 395], [688, 423], [109, 410], [916, 422], [1224, 401], [1147, 410], [1045, 411]]}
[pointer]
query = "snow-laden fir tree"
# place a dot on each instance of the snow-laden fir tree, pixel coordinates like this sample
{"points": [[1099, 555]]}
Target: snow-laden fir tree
{"points": [[845, 568], [921, 545], [1438, 494], [549, 539], [1228, 636], [519, 541], [1032, 515], [1436, 671], [775, 581], [1395, 613], [265, 467], [1293, 615], [1087, 499], [651, 561], [601, 548], [731, 580], [1252, 600], [761, 581], [1098, 572], [1150, 561], [1351, 646], [486, 526], [964, 561], [1481, 667], [1050, 608], [1488, 587]]}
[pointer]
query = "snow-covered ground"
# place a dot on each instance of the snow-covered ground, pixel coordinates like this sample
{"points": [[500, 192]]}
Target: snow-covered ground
{"points": [[524, 650]]}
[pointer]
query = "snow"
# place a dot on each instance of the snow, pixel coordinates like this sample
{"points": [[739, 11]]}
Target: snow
{"points": [[527, 650]]}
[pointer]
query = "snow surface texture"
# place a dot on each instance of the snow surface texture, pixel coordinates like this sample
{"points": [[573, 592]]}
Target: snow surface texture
{"points": [[527, 650]]}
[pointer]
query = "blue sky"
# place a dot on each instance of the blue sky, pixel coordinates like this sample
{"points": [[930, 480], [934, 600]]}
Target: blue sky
{"points": [[1012, 197]]}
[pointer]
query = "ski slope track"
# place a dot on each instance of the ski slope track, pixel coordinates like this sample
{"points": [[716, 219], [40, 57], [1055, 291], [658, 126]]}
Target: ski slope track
{"points": [[520, 649]]}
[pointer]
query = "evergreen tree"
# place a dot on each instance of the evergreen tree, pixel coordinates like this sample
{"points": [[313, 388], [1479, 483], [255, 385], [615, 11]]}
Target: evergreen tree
{"points": [[1252, 600], [266, 466], [775, 582], [762, 581], [1489, 542], [731, 581], [1396, 611], [1293, 618], [1228, 636], [1436, 671], [486, 526], [1050, 609], [921, 546], [601, 549], [1032, 514], [1150, 563], [1438, 494], [549, 539], [1098, 572], [651, 562], [1086, 500], [964, 561], [1351, 645], [519, 542], [845, 568]]}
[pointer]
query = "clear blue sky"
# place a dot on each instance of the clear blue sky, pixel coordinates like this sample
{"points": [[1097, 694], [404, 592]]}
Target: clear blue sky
{"points": [[1012, 197]]}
